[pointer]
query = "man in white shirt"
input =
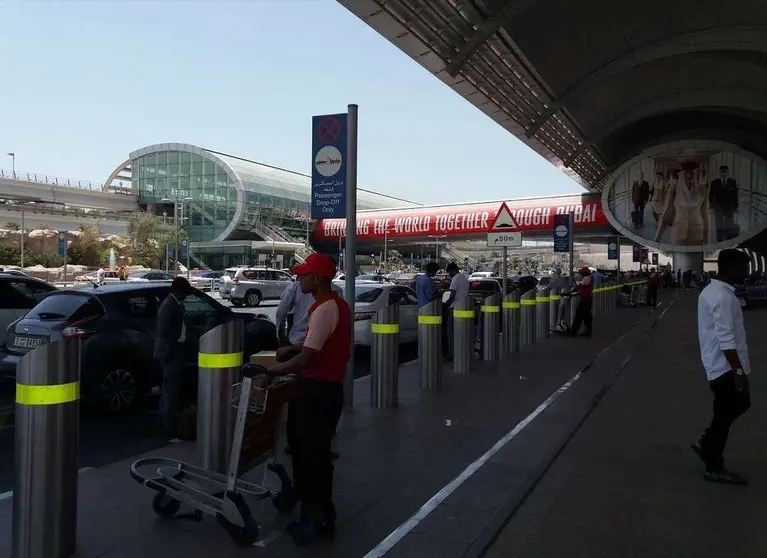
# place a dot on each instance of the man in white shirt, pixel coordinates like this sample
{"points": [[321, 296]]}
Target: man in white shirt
{"points": [[459, 290], [724, 352], [294, 301]]}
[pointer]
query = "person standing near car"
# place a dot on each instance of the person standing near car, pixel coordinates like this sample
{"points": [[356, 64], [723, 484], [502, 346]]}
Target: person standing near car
{"points": [[170, 337], [724, 353], [459, 290], [425, 289], [321, 362], [583, 310], [296, 302]]}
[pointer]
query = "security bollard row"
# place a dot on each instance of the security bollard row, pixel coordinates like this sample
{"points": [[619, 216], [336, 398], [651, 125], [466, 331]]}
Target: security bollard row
{"points": [[542, 314], [527, 325], [463, 315], [491, 325], [430, 344], [554, 300], [511, 312]]}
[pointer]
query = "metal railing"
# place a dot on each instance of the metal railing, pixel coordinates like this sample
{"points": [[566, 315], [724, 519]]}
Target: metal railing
{"points": [[36, 178]]}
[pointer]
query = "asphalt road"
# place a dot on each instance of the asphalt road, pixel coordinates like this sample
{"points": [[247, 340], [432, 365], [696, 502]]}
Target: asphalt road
{"points": [[106, 440]]}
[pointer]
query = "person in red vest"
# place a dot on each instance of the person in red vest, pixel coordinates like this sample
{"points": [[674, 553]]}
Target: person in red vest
{"points": [[583, 310], [321, 363]]}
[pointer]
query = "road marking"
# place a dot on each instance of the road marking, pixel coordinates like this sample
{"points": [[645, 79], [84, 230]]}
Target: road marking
{"points": [[9, 494], [400, 532]]}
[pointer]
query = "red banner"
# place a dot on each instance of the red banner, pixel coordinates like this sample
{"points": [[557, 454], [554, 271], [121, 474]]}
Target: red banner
{"points": [[463, 220]]}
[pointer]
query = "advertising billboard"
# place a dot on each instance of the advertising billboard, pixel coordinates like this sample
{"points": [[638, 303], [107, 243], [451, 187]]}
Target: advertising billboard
{"points": [[689, 196]]}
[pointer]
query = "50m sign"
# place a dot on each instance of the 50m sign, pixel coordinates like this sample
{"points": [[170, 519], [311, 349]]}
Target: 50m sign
{"points": [[504, 240]]}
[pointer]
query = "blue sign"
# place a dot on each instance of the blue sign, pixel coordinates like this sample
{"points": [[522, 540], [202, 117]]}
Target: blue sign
{"points": [[562, 233], [655, 258], [612, 248], [62, 244], [645, 255], [183, 251], [329, 167], [636, 253], [169, 251]]}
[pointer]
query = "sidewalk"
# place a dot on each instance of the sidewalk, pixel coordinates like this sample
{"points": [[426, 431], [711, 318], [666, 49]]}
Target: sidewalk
{"points": [[628, 484], [393, 462]]}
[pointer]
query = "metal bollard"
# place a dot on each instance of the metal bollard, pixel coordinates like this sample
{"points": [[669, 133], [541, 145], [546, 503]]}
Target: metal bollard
{"points": [[511, 313], [527, 319], [47, 443], [491, 324], [430, 344], [554, 300], [463, 335], [574, 299], [384, 355], [219, 362], [542, 314]]}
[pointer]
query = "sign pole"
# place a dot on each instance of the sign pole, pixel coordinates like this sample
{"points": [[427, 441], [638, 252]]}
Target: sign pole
{"points": [[505, 271], [571, 245], [350, 259]]}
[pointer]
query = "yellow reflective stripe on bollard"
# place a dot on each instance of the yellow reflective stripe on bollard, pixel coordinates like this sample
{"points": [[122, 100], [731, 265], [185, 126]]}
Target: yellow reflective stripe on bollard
{"points": [[216, 360], [47, 395], [385, 329], [490, 309], [430, 320], [463, 313], [527, 302], [512, 305], [554, 298], [541, 299]]}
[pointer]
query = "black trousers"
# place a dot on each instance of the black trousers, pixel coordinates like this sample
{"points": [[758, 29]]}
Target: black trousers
{"points": [[582, 315], [312, 421], [171, 359], [652, 295], [729, 404]]}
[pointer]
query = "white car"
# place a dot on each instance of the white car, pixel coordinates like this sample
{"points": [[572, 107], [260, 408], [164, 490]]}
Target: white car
{"points": [[481, 275], [371, 296]]}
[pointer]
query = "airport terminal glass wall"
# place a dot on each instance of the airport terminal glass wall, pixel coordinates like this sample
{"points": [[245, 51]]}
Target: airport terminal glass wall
{"points": [[689, 197]]}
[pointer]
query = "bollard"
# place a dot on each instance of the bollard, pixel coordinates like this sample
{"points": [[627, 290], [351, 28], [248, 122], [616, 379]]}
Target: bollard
{"points": [[596, 304], [542, 314], [219, 363], [574, 299], [430, 344], [511, 313], [491, 324], [384, 355], [47, 423], [527, 318], [463, 335], [554, 301]]}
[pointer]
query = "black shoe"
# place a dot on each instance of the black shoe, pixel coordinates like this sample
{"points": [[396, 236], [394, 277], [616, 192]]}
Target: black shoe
{"points": [[698, 449], [306, 533], [724, 476]]}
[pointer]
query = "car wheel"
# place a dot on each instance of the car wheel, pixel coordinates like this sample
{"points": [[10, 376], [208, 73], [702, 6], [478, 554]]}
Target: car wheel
{"points": [[252, 298], [236, 302], [115, 389]]}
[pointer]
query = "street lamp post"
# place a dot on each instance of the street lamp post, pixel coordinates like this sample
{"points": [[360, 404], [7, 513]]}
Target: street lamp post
{"points": [[13, 163], [436, 238], [22, 237]]}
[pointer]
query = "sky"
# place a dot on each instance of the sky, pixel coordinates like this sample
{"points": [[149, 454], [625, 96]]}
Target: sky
{"points": [[85, 83]]}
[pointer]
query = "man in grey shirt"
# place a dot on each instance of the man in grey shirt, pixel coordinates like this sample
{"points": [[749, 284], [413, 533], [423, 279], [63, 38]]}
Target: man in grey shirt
{"points": [[297, 302]]}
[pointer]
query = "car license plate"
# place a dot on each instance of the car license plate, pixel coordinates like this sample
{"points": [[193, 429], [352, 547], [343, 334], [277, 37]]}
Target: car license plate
{"points": [[28, 342]]}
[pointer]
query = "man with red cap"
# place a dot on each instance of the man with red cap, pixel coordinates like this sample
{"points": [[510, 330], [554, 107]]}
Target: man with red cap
{"points": [[583, 310], [321, 363]]}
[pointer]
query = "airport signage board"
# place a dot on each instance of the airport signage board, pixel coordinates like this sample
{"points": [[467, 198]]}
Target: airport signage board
{"points": [[329, 133]]}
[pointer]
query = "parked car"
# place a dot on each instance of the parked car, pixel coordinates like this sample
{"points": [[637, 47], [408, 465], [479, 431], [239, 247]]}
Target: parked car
{"points": [[405, 279], [18, 295], [377, 277], [13, 272], [116, 324], [371, 296], [92, 276], [524, 283], [205, 280], [482, 287], [149, 276], [251, 285], [481, 275], [442, 281]]}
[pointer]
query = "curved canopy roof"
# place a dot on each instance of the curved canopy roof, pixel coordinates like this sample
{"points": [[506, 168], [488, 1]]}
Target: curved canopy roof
{"points": [[590, 84]]}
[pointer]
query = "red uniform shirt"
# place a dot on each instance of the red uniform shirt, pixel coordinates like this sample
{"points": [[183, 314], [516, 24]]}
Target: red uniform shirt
{"points": [[586, 286], [329, 336]]}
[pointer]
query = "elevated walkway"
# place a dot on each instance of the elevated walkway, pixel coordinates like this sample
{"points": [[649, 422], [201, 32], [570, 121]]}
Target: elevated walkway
{"points": [[627, 484], [436, 477]]}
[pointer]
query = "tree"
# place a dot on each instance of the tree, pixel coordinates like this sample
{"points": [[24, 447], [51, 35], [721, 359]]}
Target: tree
{"points": [[393, 259], [85, 249], [148, 236], [10, 256], [12, 226]]}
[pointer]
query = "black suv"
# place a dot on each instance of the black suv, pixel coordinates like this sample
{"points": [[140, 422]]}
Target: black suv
{"points": [[116, 324]]}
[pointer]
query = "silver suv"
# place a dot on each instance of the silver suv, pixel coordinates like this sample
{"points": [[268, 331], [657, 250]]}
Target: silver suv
{"points": [[251, 285]]}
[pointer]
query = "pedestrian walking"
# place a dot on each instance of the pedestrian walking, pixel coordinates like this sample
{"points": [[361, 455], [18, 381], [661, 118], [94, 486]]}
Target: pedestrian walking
{"points": [[321, 362], [459, 290], [585, 302], [724, 353], [170, 337]]}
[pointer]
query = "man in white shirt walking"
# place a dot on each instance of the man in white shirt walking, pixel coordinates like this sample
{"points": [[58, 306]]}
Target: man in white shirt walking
{"points": [[724, 352], [459, 291]]}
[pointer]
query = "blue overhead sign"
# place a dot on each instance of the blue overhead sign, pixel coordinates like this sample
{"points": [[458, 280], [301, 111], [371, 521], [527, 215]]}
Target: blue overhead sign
{"points": [[62, 244], [329, 166], [562, 233], [655, 258], [612, 248], [636, 253]]}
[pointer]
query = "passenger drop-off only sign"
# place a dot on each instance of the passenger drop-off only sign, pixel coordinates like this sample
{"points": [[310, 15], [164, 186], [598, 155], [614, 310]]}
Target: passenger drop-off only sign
{"points": [[504, 233]]}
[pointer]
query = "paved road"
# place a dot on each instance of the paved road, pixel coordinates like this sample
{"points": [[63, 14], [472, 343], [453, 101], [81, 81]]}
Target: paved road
{"points": [[104, 441]]}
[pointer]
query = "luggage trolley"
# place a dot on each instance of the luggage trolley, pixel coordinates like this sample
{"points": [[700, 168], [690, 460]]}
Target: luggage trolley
{"points": [[258, 414]]}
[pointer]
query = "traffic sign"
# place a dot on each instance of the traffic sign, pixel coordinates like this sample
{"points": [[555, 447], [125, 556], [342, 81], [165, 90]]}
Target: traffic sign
{"points": [[504, 240], [504, 220], [562, 232], [328, 199]]}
